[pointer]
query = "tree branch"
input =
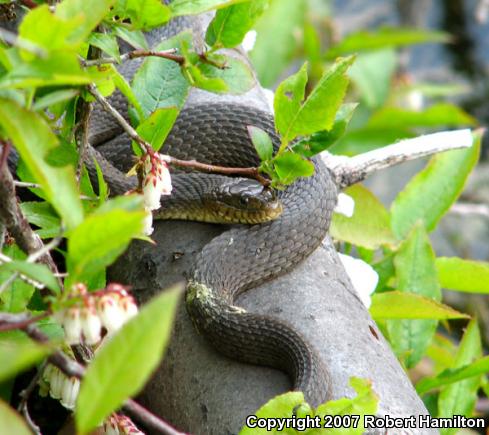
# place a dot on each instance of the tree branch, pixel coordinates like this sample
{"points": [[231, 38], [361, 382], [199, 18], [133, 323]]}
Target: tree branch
{"points": [[14, 220], [351, 170]]}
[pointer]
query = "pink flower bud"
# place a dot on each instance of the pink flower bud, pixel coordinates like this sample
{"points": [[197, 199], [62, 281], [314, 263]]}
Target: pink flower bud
{"points": [[72, 325], [156, 180], [90, 324], [110, 312]]}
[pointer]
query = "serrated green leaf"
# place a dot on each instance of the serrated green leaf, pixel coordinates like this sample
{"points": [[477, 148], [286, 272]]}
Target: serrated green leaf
{"points": [[198, 79], [126, 90], [416, 273], [437, 115], [277, 39], [370, 224], [450, 376], [231, 24], [364, 403], [402, 305], [431, 192], [261, 141], [33, 139], [99, 240], [281, 406], [144, 14], [123, 364], [193, 7], [459, 398], [463, 275], [10, 419], [384, 37], [37, 272], [155, 129], [290, 166], [294, 116], [321, 141], [159, 82], [107, 43], [236, 76], [18, 355]]}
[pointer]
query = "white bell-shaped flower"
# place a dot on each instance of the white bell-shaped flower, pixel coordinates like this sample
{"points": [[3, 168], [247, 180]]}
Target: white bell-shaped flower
{"points": [[91, 325], [156, 180], [72, 325]]}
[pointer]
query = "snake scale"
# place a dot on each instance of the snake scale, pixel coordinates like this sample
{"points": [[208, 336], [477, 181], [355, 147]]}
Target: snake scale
{"points": [[245, 255]]}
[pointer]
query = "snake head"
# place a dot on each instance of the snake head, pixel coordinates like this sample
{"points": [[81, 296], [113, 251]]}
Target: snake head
{"points": [[243, 200]]}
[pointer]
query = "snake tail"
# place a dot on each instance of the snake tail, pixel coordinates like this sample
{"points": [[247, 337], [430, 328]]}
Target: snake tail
{"points": [[258, 339]]}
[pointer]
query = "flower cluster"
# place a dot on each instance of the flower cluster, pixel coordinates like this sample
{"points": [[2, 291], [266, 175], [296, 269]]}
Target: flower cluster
{"points": [[109, 308], [154, 180], [120, 425], [61, 387]]}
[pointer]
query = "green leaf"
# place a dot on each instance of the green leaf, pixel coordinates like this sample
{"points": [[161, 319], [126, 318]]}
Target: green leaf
{"points": [[126, 90], [37, 272], [236, 76], [231, 24], [144, 14], [53, 98], [193, 7], [431, 192], [10, 419], [134, 38], [321, 141], [42, 215], [99, 240], [294, 116], [155, 129], [364, 403], [123, 365], [437, 115], [383, 38], [281, 406], [261, 141], [416, 273], [450, 376], [372, 76], [159, 82], [198, 79], [402, 305], [459, 398], [19, 355], [277, 39], [370, 224], [17, 296], [107, 43], [33, 139], [290, 166], [89, 13], [463, 275]]}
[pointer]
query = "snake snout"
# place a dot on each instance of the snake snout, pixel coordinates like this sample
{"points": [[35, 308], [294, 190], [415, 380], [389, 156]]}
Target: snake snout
{"points": [[242, 200]]}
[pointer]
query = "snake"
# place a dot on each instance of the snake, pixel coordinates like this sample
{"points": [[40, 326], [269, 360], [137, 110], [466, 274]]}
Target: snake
{"points": [[275, 230]]}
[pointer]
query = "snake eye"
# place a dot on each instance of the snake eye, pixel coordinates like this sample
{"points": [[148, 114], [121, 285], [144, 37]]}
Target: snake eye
{"points": [[243, 200]]}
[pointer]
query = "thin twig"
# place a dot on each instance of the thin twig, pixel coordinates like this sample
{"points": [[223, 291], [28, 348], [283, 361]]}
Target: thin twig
{"points": [[165, 54], [9, 322], [351, 170], [146, 147], [26, 184], [31, 4], [82, 138], [72, 368]]}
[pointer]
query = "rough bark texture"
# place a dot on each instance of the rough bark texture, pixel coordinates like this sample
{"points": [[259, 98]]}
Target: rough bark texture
{"points": [[201, 392]]}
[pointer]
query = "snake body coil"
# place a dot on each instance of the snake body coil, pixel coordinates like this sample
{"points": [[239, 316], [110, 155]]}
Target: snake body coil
{"points": [[244, 256]]}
